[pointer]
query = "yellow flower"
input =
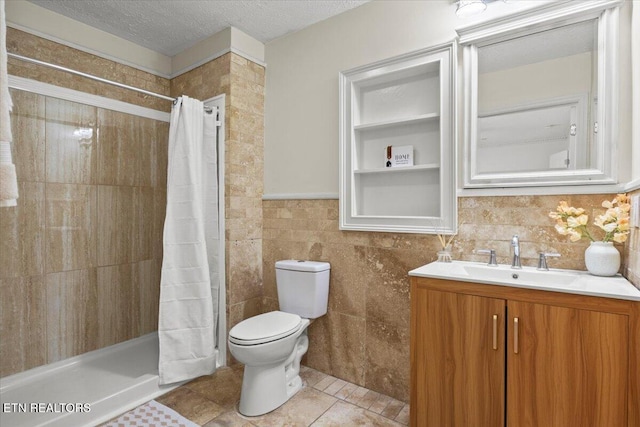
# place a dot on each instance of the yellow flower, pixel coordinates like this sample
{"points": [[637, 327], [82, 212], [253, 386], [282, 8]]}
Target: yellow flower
{"points": [[620, 237], [574, 235], [573, 222]]}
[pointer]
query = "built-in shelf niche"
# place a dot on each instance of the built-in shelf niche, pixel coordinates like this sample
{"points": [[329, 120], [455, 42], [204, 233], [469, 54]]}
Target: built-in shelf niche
{"points": [[407, 100]]}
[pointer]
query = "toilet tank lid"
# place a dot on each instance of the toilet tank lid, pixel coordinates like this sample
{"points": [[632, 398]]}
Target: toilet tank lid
{"points": [[301, 265]]}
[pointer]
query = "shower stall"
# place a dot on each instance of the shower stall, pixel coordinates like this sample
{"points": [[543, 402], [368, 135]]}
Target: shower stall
{"points": [[82, 256]]}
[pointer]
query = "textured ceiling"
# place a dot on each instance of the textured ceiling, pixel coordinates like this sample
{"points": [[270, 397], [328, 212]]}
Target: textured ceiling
{"points": [[170, 26]]}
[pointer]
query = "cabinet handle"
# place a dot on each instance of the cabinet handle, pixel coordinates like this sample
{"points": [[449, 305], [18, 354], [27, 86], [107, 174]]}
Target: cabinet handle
{"points": [[515, 335], [495, 331]]}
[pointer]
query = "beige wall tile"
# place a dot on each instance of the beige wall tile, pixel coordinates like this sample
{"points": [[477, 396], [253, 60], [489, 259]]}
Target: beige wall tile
{"points": [[125, 149], [70, 142], [387, 360], [146, 276], [118, 303], [22, 324], [28, 131], [72, 313], [71, 227], [159, 213], [22, 233], [160, 148], [369, 278], [36, 47], [126, 224], [631, 256], [55, 227]]}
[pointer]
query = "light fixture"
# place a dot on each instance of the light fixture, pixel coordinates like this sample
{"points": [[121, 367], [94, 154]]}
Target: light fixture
{"points": [[470, 7]]}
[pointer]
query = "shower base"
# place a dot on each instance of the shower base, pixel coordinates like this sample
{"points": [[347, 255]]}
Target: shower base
{"points": [[107, 381]]}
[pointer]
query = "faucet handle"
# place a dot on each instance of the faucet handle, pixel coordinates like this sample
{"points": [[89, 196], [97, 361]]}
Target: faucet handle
{"points": [[492, 256], [542, 260]]}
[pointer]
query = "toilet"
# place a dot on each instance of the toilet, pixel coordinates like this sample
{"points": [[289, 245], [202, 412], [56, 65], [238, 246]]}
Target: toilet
{"points": [[272, 344]]}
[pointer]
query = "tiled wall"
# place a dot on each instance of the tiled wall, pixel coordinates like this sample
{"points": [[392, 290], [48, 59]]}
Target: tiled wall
{"points": [[84, 248], [632, 255], [364, 338], [26, 44], [243, 83], [81, 253]]}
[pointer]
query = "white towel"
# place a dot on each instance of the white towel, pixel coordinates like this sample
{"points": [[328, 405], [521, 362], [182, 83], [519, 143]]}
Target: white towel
{"points": [[8, 178]]}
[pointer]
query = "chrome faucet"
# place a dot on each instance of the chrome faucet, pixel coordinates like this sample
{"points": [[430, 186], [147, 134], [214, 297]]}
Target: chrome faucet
{"points": [[515, 243]]}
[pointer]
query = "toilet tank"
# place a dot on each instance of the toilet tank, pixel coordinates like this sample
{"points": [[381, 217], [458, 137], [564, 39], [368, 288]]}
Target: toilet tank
{"points": [[303, 287]]}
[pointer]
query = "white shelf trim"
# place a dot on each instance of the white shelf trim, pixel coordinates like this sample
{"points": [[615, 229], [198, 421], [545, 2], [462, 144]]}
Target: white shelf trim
{"points": [[396, 122], [399, 169]]}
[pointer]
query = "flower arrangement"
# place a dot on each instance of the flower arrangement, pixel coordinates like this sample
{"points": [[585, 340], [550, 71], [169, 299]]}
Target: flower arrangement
{"points": [[573, 222]]}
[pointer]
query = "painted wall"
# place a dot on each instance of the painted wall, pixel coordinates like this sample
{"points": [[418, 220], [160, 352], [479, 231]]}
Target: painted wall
{"points": [[302, 84], [364, 338]]}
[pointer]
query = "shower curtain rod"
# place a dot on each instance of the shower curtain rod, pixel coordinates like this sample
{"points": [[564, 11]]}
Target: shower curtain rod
{"points": [[100, 79]]}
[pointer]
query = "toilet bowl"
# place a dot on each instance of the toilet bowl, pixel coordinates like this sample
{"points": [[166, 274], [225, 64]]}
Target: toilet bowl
{"points": [[272, 344], [272, 364]]}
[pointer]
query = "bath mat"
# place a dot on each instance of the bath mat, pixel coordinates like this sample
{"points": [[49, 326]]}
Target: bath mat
{"points": [[151, 414]]}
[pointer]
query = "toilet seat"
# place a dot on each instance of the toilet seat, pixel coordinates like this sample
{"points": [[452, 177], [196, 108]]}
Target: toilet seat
{"points": [[265, 328]]}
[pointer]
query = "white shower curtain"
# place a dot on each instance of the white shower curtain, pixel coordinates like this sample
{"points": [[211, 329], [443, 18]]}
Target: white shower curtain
{"points": [[188, 315]]}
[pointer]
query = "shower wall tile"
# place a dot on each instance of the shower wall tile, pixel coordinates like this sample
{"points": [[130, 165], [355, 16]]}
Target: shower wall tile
{"points": [[160, 149], [30, 45], [70, 142], [144, 227], [61, 226], [72, 313], [125, 149], [71, 231], [118, 303], [22, 324], [147, 280], [116, 225], [159, 212], [28, 130], [125, 223], [22, 233]]}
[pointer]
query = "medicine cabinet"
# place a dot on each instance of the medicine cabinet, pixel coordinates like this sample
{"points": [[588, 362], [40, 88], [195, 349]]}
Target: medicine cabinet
{"points": [[397, 150], [540, 94]]}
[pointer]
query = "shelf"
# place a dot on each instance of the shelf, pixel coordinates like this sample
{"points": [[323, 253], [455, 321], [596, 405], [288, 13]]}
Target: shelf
{"points": [[404, 121], [402, 101], [398, 169]]}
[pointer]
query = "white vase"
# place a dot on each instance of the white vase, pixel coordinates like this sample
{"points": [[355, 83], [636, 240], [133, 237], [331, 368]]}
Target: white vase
{"points": [[602, 259]]}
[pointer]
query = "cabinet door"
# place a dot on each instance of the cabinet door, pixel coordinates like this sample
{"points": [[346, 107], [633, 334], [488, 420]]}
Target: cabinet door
{"points": [[457, 360], [566, 367]]}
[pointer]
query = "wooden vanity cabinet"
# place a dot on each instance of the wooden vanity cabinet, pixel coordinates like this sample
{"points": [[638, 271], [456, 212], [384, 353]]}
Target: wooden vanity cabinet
{"points": [[484, 355]]}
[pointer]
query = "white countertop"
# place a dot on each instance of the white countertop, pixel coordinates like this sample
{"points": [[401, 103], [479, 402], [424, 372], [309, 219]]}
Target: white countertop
{"points": [[556, 280]]}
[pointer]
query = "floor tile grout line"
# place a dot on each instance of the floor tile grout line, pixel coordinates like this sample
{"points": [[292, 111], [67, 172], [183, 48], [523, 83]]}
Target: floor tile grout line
{"points": [[327, 410], [361, 407]]}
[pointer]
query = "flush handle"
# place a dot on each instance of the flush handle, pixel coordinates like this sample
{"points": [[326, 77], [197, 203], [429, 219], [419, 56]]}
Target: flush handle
{"points": [[495, 331]]}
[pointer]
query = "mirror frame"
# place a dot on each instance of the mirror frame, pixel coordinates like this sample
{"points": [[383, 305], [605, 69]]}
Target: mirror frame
{"points": [[471, 37]]}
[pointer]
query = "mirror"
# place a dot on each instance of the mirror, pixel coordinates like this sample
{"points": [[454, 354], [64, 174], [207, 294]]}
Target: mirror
{"points": [[536, 94]]}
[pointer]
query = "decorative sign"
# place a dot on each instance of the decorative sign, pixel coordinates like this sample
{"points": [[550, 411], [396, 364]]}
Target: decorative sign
{"points": [[399, 156]]}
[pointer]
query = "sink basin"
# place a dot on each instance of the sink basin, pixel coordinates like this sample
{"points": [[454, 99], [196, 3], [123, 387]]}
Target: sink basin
{"points": [[529, 276], [555, 280]]}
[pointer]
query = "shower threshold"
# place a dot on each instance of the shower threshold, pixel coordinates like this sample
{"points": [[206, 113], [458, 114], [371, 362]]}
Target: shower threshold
{"points": [[84, 390]]}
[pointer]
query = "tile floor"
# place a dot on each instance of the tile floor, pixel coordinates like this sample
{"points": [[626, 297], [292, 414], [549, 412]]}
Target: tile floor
{"points": [[323, 401]]}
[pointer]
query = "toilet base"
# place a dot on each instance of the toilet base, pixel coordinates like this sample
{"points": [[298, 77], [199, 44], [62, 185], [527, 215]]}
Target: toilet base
{"points": [[265, 388]]}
